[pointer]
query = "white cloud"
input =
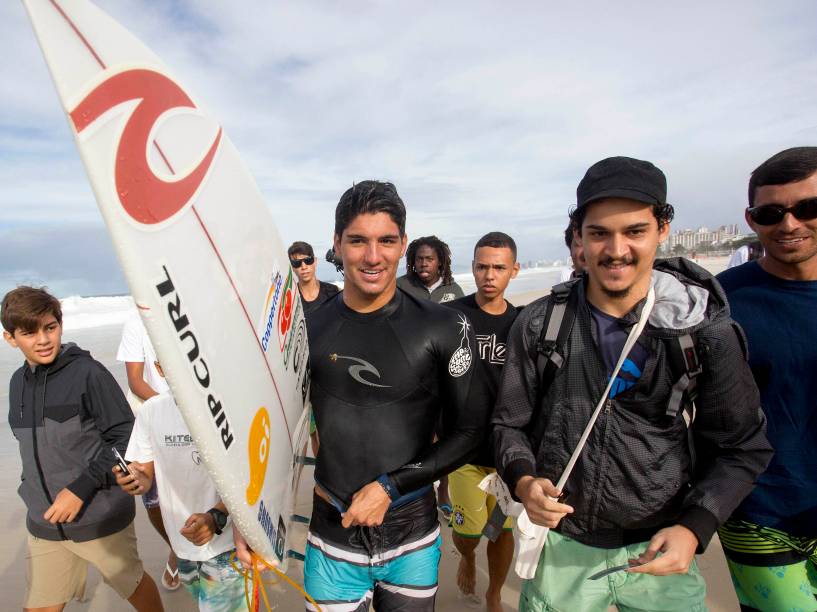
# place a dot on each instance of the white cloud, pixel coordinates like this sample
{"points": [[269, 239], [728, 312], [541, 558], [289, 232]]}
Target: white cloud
{"points": [[485, 115]]}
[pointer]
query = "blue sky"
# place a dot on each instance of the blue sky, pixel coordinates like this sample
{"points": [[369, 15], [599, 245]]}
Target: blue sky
{"points": [[484, 114]]}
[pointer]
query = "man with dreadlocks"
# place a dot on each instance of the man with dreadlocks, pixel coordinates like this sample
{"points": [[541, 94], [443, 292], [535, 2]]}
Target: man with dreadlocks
{"points": [[428, 271]]}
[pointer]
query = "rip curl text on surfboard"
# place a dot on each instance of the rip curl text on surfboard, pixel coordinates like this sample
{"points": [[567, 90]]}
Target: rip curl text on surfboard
{"points": [[189, 344]]}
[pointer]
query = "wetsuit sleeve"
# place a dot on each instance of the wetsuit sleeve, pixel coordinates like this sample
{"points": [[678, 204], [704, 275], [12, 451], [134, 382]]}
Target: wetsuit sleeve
{"points": [[463, 424], [515, 403], [729, 432], [106, 404]]}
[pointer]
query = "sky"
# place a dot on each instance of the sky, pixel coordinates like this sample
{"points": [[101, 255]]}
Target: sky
{"points": [[485, 115]]}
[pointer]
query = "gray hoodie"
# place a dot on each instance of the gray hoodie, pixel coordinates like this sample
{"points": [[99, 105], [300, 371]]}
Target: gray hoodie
{"points": [[66, 416]]}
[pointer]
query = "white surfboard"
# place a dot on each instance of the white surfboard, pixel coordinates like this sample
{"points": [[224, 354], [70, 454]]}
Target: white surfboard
{"points": [[202, 256]]}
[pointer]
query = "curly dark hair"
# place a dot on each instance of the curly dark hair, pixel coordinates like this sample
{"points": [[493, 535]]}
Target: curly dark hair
{"points": [[443, 254]]}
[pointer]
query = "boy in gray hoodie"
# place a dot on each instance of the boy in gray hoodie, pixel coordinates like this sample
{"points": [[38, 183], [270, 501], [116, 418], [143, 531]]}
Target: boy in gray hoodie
{"points": [[67, 413]]}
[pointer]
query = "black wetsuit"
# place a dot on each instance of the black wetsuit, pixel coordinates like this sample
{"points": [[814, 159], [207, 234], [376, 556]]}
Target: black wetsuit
{"points": [[379, 382]]}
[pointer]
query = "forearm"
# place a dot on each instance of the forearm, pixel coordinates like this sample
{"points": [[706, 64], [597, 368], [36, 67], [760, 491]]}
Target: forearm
{"points": [[136, 380], [443, 457]]}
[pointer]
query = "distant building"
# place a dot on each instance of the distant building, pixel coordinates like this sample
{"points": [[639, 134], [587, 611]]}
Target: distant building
{"points": [[703, 236]]}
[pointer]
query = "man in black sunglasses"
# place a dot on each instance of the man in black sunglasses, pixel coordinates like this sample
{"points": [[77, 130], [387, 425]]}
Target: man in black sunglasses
{"points": [[313, 291], [771, 540]]}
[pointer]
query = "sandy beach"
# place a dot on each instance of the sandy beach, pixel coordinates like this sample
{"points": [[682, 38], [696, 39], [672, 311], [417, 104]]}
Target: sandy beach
{"points": [[102, 342]]}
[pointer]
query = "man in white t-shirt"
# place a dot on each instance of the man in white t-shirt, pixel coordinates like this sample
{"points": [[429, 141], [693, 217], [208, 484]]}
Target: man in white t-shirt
{"points": [[194, 517], [144, 382]]}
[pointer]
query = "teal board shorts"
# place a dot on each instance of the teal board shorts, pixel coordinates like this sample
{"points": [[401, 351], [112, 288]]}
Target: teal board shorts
{"points": [[215, 584], [562, 584], [771, 570]]}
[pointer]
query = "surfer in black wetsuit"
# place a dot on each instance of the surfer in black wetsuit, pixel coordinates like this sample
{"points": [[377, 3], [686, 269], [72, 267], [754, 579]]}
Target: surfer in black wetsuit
{"points": [[385, 366]]}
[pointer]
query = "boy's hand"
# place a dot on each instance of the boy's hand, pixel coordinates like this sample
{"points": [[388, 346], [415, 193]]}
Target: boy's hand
{"points": [[136, 482], [199, 528], [65, 508]]}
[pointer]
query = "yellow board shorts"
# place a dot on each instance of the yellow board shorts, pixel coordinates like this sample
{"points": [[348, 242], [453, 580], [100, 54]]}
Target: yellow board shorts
{"points": [[472, 506], [57, 570]]}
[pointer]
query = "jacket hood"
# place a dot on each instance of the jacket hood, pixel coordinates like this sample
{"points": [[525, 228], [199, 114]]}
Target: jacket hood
{"points": [[686, 295], [69, 352]]}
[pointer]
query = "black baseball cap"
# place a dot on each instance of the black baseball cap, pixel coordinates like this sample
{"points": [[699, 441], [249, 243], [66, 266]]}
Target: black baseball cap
{"points": [[622, 177]]}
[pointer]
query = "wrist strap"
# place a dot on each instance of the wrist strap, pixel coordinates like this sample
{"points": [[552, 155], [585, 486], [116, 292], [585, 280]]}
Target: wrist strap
{"points": [[388, 486]]}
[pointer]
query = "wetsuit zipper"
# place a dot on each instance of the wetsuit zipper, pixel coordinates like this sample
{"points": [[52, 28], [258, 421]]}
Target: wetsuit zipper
{"points": [[35, 445]]}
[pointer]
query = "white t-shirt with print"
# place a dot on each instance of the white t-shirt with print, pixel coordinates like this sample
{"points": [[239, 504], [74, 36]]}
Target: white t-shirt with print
{"points": [[185, 488], [135, 347]]}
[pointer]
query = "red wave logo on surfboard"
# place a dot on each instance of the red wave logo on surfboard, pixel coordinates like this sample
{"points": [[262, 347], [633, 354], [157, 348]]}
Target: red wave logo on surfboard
{"points": [[145, 197]]}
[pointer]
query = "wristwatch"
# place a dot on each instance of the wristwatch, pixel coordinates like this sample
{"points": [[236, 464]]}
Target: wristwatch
{"points": [[219, 518]]}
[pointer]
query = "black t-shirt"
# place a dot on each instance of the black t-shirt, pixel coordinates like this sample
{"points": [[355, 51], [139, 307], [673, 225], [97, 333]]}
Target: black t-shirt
{"points": [[326, 291], [491, 332]]}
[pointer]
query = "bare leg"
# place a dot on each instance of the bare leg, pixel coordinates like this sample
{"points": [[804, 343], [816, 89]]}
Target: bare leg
{"points": [[146, 596], [500, 556], [467, 569], [155, 517]]}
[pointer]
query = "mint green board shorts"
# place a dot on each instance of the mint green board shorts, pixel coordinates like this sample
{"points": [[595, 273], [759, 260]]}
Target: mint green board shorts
{"points": [[561, 582]]}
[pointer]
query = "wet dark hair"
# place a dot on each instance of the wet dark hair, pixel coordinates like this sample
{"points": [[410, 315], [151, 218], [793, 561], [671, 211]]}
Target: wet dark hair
{"points": [[300, 248], [496, 240], [443, 254], [369, 197], [664, 213], [789, 166], [23, 308]]}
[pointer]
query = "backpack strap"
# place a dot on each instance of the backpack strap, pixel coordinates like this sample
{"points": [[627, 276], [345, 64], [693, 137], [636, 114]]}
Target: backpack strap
{"points": [[556, 328], [683, 359], [685, 364]]}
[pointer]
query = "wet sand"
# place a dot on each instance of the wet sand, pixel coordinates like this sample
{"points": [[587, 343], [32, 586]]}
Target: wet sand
{"points": [[102, 343]]}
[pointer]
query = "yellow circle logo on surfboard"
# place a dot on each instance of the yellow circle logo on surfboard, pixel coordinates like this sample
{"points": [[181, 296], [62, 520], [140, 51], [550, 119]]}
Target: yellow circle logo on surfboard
{"points": [[258, 450]]}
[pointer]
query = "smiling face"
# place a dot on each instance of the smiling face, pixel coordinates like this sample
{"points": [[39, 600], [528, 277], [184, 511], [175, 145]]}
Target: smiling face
{"points": [[493, 269], [371, 248], [791, 244], [427, 265], [619, 239], [40, 346]]}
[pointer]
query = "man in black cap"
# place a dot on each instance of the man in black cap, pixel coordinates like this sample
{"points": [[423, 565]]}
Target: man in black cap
{"points": [[601, 382]]}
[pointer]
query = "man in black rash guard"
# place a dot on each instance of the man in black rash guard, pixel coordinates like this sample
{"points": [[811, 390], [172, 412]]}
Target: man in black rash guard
{"points": [[385, 366]]}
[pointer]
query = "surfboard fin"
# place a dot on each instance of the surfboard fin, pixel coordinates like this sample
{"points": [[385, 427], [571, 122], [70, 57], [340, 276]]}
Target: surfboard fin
{"points": [[295, 555], [304, 460]]}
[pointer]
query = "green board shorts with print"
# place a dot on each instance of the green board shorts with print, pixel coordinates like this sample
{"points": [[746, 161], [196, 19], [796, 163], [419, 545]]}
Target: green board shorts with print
{"points": [[771, 570], [561, 582]]}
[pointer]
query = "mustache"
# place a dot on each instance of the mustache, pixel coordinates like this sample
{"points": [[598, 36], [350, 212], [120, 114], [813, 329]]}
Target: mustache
{"points": [[610, 261]]}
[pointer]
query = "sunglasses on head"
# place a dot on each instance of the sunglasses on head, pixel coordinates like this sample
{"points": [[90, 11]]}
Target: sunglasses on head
{"points": [[296, 263], [772, 214]]}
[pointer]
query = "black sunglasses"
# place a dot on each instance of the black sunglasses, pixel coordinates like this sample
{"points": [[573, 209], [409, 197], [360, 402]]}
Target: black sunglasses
{"points": [[296, 263], [772, 214]]}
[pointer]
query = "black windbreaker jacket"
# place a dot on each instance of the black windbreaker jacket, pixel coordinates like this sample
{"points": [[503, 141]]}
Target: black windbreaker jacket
{"points": [[635, 476], [66, 416]]}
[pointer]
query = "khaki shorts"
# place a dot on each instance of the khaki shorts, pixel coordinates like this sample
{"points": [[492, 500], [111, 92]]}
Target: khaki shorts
{"points": [[56, 571], [472, 505]]}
